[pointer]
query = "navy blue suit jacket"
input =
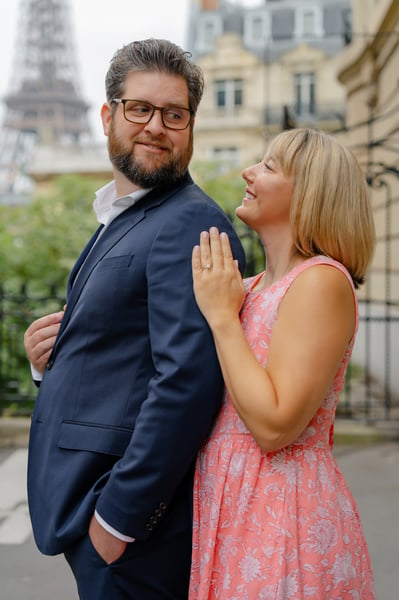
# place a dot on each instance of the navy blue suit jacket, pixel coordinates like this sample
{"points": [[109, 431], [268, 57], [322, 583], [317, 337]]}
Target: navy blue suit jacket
{"points": [[133, 383]]}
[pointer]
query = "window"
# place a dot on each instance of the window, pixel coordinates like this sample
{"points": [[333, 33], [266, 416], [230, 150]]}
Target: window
{"points": [[308, 22], [226, 158], [228, 93], [256, 29], [305, 103], [208, 32], [208, 29]]}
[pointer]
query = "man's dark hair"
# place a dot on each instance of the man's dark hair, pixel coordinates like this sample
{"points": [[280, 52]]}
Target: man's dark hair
{"points": [[154, 55]]}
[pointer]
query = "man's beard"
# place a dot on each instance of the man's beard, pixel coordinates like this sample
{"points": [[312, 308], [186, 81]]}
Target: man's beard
{"points": [[134, 169]]}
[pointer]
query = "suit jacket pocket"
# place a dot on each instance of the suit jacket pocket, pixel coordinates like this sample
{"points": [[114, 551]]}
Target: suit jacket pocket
{"points": [[115, 262], [94, 438]]}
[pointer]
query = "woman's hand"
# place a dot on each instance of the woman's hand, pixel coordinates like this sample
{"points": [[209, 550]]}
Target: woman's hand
{"points": [[218, 286]]}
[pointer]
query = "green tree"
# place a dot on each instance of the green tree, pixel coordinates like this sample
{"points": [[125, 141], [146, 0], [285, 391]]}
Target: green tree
{"points": [[40, 241]]}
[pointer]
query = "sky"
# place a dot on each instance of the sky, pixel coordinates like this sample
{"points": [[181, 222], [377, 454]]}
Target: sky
{"points": [[100, 28]]}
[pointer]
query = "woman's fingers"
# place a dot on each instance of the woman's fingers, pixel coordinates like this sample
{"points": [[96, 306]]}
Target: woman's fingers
{"points": [[214, 251], [226, 248], [196, 260], [206, 257], [216, 248]]}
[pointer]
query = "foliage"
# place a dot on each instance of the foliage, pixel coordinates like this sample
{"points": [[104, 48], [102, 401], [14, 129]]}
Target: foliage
{"points": [[39, 243]]}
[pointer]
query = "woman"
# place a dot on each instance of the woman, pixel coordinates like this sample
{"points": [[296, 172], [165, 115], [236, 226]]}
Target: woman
{"points": [[273, 516]]}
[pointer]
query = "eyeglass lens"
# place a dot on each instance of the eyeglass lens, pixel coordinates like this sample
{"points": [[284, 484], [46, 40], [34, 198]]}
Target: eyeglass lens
{"points": [[142, 112]]}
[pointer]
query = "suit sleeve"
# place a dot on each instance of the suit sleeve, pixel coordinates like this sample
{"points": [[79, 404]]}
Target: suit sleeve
{"points": [[186, 391]]}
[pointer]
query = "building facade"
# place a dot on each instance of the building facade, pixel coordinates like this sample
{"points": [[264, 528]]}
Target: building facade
{"points": [[267, 67], [369, 70]]}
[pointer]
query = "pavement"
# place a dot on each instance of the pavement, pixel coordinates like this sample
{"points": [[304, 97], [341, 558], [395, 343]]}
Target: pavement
{"points": [[14, 432], [368, 456]]}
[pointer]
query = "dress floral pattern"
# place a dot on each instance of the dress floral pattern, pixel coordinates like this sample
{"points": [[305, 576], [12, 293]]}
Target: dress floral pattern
{"points": [[280, 525]]}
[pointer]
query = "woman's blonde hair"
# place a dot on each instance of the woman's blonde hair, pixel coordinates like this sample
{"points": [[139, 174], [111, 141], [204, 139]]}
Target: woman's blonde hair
{"points": [[330, 212]]}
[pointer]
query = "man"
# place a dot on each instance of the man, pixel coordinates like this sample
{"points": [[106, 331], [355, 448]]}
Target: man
{"points": [[131, 383]]}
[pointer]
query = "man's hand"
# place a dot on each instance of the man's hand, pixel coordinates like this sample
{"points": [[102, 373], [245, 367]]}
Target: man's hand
{"points": [[109, 547], [39, 339]]}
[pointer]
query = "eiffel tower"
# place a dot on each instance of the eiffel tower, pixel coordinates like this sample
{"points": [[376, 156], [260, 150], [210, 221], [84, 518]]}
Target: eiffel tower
{"points": [[44, 104]]}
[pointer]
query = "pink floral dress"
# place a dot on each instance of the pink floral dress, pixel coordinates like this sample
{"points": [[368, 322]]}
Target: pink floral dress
{"points": [[280, 525]]}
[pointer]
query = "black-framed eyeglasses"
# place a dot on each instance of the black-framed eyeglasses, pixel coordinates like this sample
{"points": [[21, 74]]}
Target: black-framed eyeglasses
{"points": [[141, 112]]}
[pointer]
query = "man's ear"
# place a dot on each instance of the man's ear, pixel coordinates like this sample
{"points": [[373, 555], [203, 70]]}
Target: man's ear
{"points": [[106, 117]]}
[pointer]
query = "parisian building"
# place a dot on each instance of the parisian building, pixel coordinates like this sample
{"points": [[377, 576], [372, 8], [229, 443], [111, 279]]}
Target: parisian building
{"points": [[268, 65]]}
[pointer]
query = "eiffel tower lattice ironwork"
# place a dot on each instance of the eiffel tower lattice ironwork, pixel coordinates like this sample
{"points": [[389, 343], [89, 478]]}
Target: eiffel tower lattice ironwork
{"points": [[44, 104]]}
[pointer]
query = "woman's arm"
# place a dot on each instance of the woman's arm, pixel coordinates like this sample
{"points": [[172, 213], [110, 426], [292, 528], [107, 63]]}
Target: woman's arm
{"points": [[315, 323]]}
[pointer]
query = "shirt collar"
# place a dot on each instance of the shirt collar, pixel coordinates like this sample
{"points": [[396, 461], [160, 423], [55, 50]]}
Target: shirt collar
{"points": [[107, 202]]}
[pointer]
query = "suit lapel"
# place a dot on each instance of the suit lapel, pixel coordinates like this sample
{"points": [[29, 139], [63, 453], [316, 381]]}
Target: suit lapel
{"points": [[77, 266], [119, 227]]}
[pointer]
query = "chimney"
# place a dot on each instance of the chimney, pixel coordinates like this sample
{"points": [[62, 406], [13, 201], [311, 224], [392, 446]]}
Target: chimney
{"points": [[209, 4]]}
